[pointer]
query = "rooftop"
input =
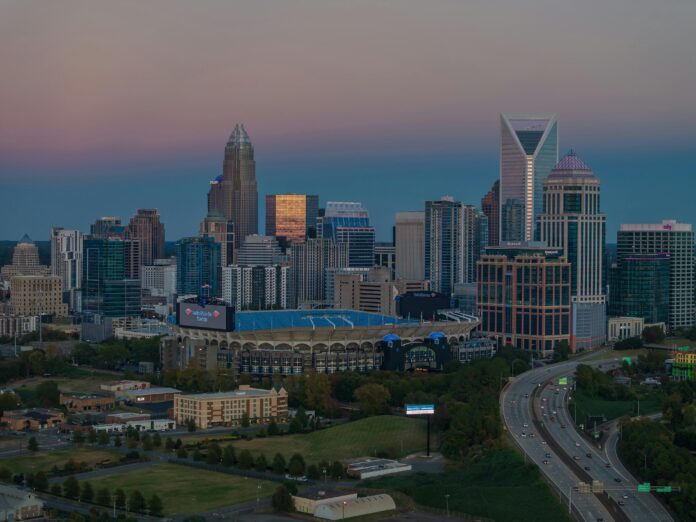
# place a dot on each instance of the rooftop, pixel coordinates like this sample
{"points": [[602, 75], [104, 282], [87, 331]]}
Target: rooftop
{"points": [[250, 392], [318, 493], [314, 319], [157, 390]]}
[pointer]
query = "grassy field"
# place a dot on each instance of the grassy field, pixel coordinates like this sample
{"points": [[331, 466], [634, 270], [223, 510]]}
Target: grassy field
{"points": [[397, 436], [612, 409], [82, 381], [44, 461], [187, 491], [679, 341], [499, 487]]}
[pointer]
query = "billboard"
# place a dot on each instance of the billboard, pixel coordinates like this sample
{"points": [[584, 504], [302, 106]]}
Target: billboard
{"points": [[416, 305], [420, 409], [207, 317]]}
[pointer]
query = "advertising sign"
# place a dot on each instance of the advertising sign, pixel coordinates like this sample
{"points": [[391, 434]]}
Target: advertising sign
{"points": [[208, 317], [420, 409]]}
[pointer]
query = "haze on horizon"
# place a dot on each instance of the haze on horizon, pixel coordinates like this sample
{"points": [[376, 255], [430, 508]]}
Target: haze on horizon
{"points": [[108, 107]]}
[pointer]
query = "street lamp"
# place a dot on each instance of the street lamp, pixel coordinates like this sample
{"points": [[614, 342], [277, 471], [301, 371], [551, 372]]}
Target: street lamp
{"points": [[447, 504], [344, 510]]}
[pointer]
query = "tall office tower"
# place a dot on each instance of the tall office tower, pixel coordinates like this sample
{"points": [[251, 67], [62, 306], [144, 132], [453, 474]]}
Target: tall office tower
{"points": [[490, 205], [105, 288], [523, 296], [159, 279], [572, 221], [25, 261], [106, 227], [256, 287], [236, 192], [309, 263], [259, 250], [222, 231], [385, 255], [132, 260], [640, 287], [145, 226], [198, 267], [475, 239], [349, 223], [66, 262], [677, 240], [409, 242], [452, 243], [528, 152], [291, 217], [37, 295]]}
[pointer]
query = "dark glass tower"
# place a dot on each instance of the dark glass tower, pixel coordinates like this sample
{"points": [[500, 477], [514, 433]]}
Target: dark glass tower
{"points": [[197, 266]]}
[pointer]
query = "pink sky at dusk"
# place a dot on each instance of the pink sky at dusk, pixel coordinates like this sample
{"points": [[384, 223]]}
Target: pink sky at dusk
{"points": [[134, 81]]}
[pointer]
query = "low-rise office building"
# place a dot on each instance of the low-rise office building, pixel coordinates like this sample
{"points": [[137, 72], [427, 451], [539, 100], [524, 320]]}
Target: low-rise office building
{"points": [[139, 425], [308, 501], [229, 408], [356, 507], [120, 386], [34, 419], [87, 402], [148, 395], [121, 417]]}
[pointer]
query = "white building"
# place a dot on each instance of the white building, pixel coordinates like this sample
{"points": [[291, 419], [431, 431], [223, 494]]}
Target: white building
{"points": [[66, 262], [140, 425], [256, 287], [159, 279], [18, 324]]}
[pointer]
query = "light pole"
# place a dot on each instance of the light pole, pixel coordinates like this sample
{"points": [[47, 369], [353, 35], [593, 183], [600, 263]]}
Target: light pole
{"points": [[258, 494], [570, 499], [113, 497], [344, 510], [324, 470], [447, 504]]}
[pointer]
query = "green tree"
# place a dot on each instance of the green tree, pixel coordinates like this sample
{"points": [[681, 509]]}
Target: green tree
{"points": [[214, 453], [71, 487], [282, 501], [245, 420], [103, 438], [181, 453], [5, 474], [295, 425], [261, 464], [653, 334], [86, 492], [9, 401], [136, 501], [561, 351], [313, 472], [103, 497], [117, 441], [82, 353], [228, 456], [41, 481], [191, 425], [273, 428], [317, 392], [157, 440], [56, 490], [155, 506], [197, 455], [278, 464], [91, 436], [245, 461], [120, 498], [169, 444], [373, 399], [296, 466], [146, 441], [47, 394], [33, 444], [337, 470]]}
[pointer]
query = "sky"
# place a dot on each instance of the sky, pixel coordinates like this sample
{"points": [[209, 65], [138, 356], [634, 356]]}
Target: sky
{"points": [[106, 107]]}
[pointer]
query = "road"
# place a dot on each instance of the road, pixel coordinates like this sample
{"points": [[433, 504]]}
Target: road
{"points": [[521, 404]]}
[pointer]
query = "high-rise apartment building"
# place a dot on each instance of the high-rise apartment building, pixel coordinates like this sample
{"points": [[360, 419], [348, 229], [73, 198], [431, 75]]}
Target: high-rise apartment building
{"points": [[66, 263], [528, 152], [235, 194], [523, 296], [409, 242], [159, 279], [453, 242], [572, 221], [490, 206], [36, 295], [259, 250], [146, 227], [640, 286], [106, 288], [349, 223], [309, 262], [291, 217], [256, 287], [25, 261], [215, 225], [198, 266], [677, 240], [385, 255], [107, 227]]}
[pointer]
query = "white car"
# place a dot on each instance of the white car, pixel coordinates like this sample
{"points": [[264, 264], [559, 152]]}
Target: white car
{"points": [[543, 442], [577, 444], [525, 425], [298, 479]]}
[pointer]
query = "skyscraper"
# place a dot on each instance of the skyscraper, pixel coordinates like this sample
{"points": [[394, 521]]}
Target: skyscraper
{"points": [[291, 217], [572, 221], [640, 287], [66, 262], [145, 226], [677, 240], [349, 223], [256, 287], [198, 266], [452, 243], [236, 195], [490, 206], [309, 263], [528, 152], [409, 238], [215, 225], [106, 227], [259, 250], [25, 261]]}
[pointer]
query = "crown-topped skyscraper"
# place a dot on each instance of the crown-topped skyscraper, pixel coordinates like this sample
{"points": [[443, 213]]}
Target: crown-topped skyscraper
{"points": [[235, 194]]}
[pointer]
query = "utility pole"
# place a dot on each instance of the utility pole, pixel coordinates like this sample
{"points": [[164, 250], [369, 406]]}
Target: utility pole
{"points": [[447, 503], [570, 500]]}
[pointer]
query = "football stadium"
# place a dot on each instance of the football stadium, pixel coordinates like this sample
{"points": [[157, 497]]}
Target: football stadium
{"points": [[292, 341]]}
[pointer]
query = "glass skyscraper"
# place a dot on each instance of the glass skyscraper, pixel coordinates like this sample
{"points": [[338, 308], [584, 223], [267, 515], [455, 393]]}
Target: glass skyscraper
{"points": [[292, 217], [528, 152], [198, 266], [349, 223], [640, 287]]}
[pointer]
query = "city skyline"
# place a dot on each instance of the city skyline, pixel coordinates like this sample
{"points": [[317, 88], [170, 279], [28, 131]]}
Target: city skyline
{"points": [[348, 107]]}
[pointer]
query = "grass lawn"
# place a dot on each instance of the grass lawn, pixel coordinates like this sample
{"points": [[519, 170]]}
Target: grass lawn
{"points": [[186, 491], [679, 341], [612, 409], [44, 461], [396, 436], [615, 354], [499, 487]]}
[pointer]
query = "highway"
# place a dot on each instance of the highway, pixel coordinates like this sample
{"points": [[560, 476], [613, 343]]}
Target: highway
{"points": [[527, 405]]}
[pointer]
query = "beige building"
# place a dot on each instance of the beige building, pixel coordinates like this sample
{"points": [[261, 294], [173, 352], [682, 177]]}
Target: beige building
{"points": [[87, 403], [34, 419], [25, 261], [17, 504], [34, 295], [372, 292], [410, 245], [228, 408], [308, 501]]}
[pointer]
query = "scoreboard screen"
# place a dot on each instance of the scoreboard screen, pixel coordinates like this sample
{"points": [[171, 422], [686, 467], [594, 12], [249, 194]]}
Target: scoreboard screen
{"points": [[207, 317]]}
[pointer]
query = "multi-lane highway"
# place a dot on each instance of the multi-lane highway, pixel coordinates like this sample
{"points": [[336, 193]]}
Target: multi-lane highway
{"points": [[535, 413]]}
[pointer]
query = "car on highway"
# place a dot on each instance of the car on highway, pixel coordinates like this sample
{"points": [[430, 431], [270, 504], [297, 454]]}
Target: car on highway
{"points": [[526, 396], [525, 425], [546, 462], [577, 444], [587, 468], [563, 426], [622, 503], [298, 479], [548, 455], [523, 435], [607, 465], [617, 479], [543, 442], [625, 496], [588, 455], [575, 457], [554, 412]]}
